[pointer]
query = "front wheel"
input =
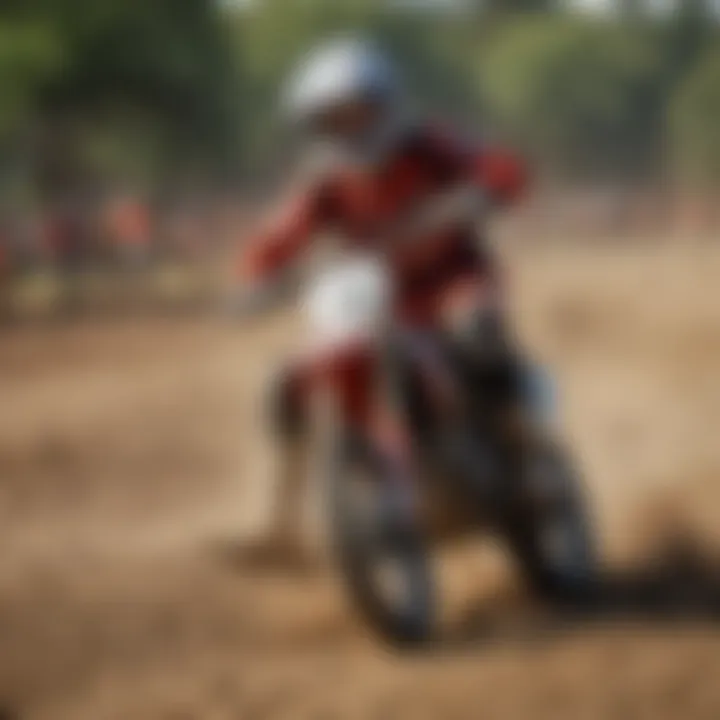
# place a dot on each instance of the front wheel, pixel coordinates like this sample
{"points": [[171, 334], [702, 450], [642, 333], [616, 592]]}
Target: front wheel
{"points": [[381, 554]]}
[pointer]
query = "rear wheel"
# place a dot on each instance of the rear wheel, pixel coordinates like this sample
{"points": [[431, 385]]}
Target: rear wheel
{"points": [[550, 533], [381, 554]]}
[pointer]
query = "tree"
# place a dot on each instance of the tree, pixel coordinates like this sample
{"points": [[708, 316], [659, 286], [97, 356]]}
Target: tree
{"points": [[515, 6], [29, 56], [695, 124], [581, 94], [161, 68]]}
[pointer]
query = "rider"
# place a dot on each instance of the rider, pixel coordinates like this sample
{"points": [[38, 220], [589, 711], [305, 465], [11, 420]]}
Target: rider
{"points": [[373, 164]]}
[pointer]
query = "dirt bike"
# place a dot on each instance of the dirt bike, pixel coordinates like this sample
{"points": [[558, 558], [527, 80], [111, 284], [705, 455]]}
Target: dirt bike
{"points": [[383, 526]]}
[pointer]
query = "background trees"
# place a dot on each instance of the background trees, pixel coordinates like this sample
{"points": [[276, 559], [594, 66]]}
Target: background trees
{"points": [[100, 89], [695, 124], [98, 92]]}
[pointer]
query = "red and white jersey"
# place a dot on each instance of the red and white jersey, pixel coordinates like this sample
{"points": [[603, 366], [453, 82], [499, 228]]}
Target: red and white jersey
{"points": [[357, 206]]}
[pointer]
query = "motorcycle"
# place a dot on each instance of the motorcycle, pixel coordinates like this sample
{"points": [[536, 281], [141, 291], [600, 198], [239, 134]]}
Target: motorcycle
{"points": [[384, 525]]}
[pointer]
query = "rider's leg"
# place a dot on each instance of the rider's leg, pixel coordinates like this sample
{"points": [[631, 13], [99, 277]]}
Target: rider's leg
{"points": [[289, 424], [485, 357], [524, 403], [451, 437], [424, 348], [481, 341], [345, 372], [522, 390], [286, 417]]}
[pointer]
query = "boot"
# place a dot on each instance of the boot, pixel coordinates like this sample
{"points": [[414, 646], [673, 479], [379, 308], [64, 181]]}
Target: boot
{"points": [[284, 542]]}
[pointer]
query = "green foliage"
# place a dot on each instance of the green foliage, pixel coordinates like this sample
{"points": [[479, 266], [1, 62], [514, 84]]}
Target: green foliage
{"points": [[151, 91], [579, 93], [516, 6], [695, 123], [102, 64], [30, 54]]}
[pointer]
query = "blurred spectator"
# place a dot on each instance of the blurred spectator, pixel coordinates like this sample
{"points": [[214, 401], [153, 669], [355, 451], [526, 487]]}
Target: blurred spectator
{"points": [[129, 226], [66, 243], [64, 236]]}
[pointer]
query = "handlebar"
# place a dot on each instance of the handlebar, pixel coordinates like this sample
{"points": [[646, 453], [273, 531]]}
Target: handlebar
{"points": [[463, 204]]}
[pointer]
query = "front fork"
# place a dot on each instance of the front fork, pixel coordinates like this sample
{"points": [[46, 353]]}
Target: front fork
{"points": [[390, 430]]}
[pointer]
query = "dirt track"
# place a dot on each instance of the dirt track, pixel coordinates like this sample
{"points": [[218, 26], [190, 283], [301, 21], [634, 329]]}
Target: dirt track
{"points": [[127, 452]]}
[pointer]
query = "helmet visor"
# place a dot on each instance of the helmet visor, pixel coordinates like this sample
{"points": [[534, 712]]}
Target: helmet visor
{"points": [[347, 122]]}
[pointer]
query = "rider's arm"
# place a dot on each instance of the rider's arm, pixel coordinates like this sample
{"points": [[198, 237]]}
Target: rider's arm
{"points": [[498, 173], [472, 180], [501, 173], [285, 236]]}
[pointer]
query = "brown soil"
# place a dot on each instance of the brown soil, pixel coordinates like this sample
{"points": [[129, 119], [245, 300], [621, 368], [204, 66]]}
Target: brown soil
{"points": [[129, 452]]}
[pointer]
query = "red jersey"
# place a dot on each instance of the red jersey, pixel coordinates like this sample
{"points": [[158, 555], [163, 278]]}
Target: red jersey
{"points": [[358, 206]]}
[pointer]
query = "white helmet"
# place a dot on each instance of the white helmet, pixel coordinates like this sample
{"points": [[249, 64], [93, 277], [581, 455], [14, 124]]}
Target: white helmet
{"points": [[341, 72]]}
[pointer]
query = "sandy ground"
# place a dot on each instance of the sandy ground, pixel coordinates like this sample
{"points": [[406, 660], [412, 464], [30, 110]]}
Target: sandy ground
{"points": [[128, 456]]}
